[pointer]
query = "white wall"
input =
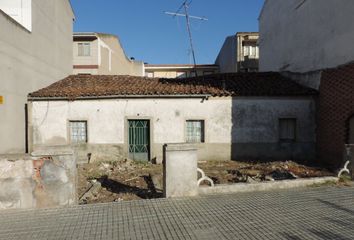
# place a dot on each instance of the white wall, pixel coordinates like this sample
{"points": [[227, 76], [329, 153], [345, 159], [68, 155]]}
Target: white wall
{"points": [[30, 61], [239, 121], [302, 36], [227, 57], [19, 10]]}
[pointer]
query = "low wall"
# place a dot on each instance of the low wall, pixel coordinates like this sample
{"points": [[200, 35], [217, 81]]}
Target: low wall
{"points": [[264, 186], [46, 178], [206, 152]]}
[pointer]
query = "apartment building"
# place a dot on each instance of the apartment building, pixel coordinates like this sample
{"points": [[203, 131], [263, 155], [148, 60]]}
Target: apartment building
{"points": [[103, 54], [239, 53]]}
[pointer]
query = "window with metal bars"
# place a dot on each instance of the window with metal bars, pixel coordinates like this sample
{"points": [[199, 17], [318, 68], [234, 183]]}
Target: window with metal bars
{"points": [[195, 131], [78, 131]]}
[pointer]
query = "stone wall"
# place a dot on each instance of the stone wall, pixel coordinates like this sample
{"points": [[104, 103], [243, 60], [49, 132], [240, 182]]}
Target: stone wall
{"points": [[47, 178]]}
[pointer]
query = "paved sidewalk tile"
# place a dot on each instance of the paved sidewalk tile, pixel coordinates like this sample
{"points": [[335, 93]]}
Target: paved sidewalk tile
{"points": [[310, 213]]}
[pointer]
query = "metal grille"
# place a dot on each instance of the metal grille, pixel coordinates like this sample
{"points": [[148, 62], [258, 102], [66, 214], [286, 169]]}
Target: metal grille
{"points": [[78, 131], [139, 137], [195, 131]]}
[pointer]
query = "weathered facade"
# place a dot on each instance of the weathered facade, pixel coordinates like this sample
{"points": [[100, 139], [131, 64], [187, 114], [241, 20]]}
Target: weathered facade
{"points": [[36, 50], [98, 53], [46, 178], [227, 116], [239, 53], [179, 70]]}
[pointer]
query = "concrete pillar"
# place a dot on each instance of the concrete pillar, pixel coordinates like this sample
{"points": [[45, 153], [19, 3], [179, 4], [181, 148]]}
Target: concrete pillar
{"points": [[180, 170]]}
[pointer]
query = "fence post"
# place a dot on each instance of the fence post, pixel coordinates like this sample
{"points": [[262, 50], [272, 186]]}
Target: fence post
{"points": [[180, 170]]}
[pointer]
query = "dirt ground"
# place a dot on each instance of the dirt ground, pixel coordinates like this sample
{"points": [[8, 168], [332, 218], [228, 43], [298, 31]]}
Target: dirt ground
{"points": [[129, 180]]}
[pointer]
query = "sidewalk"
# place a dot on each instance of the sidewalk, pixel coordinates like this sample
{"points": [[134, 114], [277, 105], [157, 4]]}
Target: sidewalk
{"points": [[311, 213]]}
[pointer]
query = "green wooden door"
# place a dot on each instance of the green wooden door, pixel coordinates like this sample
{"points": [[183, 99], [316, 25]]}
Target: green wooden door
{"points": [[139, 140]]}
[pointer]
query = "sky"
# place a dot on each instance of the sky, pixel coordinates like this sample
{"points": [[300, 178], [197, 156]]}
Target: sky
{"points": [[149, 35]]}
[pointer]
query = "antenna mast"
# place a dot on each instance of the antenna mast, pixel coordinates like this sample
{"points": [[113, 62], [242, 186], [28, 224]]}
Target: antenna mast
{"points": [[185, 5]]}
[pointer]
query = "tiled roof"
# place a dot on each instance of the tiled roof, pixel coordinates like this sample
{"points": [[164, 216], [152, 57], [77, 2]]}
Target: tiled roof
{"points": [[238, 84]]}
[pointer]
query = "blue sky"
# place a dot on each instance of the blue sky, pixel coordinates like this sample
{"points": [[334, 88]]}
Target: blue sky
{"points": [[147, 34]]}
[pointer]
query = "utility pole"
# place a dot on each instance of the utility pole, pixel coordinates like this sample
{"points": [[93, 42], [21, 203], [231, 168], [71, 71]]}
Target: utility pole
{"points": [[185, 5]]}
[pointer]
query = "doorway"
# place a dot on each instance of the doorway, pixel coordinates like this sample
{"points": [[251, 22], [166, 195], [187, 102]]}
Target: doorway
{"points": [[139, 140]]}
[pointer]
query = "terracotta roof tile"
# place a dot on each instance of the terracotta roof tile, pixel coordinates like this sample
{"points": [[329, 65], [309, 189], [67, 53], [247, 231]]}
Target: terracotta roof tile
{"points": [[238, 84]]}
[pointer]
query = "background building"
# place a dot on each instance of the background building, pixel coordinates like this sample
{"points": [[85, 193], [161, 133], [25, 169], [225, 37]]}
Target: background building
{"points": [[179, 70], [98, 53], [303, 36], [36, 50], [311, 42], [239, 53]]}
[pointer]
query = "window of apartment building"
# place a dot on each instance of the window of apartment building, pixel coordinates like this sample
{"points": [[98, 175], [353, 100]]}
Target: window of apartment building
{"points": [[250, 51], [78, 131], [84, 49], [287, 129], [195, 131]]}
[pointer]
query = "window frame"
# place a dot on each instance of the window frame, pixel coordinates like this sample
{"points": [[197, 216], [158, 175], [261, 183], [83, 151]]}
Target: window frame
{"points": [[83, 49], [281, 138], [203, 131], [70, 131]]}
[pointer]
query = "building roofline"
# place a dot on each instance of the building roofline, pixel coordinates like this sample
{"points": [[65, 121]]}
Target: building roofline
{"points": [[247, 33], [119, 97], [191, 66], [72, 9], [262, 10]]}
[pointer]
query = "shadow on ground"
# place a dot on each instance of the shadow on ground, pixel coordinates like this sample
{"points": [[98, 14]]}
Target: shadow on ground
{"points": [[121, 188]]}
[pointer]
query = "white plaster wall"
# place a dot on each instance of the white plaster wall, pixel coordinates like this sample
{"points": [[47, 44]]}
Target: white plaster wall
{"points": [[302, 36], [106, 119], [241, 120], [30, 61]]}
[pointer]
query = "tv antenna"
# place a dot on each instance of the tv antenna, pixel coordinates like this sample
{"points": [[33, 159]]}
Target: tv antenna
{"points": [[185, 6]]}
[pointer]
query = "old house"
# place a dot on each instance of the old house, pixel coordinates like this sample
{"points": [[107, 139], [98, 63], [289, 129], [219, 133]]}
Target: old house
{"points": [[310, 42], [239, 53], [99, 53], [228, 116], [36, 51], [179, 70]]}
